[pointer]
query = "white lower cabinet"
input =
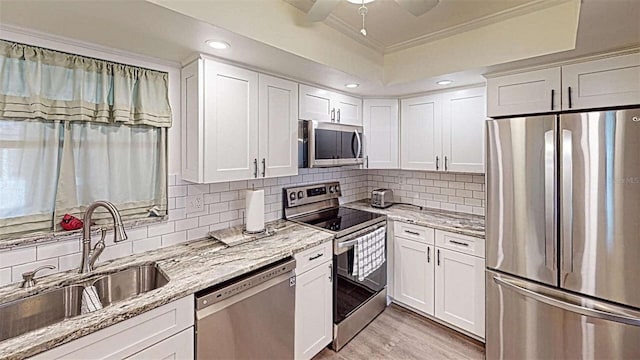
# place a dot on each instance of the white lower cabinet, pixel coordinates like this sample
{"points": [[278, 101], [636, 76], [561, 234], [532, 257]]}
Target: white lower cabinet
{"points": [[179, 346], [153, 330], [413, 274], [314, 308], [459, 290], [444, 279]]}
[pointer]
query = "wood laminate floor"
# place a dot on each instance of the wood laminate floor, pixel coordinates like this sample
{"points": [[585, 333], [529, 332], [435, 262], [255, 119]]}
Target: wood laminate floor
{"points": [[401, 334]]}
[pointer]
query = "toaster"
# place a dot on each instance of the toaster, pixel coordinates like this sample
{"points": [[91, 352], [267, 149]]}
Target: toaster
{"points": [[382, 198]]}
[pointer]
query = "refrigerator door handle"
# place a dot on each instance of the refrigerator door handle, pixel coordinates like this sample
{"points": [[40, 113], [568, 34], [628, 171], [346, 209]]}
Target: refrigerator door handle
{"points": [[567, 201], [611, 315], [549, 199]]}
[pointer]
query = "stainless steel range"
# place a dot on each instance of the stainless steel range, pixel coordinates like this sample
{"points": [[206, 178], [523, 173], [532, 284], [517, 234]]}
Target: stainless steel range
{"points": [[356, 301]]}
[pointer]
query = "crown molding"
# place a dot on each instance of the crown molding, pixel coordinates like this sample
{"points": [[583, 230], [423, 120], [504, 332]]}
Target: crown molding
{"points": [[474, 24]]}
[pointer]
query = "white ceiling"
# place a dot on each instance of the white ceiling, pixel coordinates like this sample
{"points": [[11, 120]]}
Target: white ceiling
{"points": [[391, 28], [145, 28]]}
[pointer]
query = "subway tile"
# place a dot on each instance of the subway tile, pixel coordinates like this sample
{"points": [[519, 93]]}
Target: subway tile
{"points": [[5, 276], [478, 179], [137, 233], [229, 215], [229, 195], [207, 220], [145, 245], [473, 186], [439, 183], [464, 193], [197, 189], [478, 195], [448, 177], [117, 251], [177, 214], [57, 249], [473, 202], [186, 224], [464, 178], [218, 207], [161, 229], [447, 206], [17, 256], [174, 238], [180, 202], [464, 208], [219, 187], [70, 262], [197, 233], [177, 191]]}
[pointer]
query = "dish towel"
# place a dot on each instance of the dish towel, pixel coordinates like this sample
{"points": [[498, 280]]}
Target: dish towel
{"points": [[90, 300], [369, 253]]}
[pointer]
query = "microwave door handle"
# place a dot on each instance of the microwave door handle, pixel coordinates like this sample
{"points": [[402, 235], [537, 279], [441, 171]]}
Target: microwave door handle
{"points": [[359, 144], [353, 150]]}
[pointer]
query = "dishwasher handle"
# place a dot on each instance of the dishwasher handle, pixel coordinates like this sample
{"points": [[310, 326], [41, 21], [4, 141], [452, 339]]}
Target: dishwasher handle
{"points": [[252, 284]]}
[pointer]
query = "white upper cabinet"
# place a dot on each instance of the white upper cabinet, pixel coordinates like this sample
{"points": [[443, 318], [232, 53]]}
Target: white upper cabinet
{"points": [[381, 126], [348, 109], [421, 126], [219, 130], [464, 116], [278, 129], [315, 104], [324, 105], [602, 83], [524, 93], [244, 128]]}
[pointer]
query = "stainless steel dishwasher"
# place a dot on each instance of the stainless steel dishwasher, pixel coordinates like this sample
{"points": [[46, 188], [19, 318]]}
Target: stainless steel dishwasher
{"points": [[251, 317]]}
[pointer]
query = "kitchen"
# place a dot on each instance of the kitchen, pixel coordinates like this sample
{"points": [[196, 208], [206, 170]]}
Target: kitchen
{"points": [[264, 198]]}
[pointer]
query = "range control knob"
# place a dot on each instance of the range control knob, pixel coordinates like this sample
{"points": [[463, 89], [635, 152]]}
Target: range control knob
{"points": [[292, 195], [300, 194], [331, 189], [337, 188]]}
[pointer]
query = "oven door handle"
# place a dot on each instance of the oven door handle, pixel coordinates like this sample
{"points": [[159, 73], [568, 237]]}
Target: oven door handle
{"points": [[347, 244]]}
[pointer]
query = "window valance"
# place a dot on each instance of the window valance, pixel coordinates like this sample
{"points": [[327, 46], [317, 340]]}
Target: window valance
{"points": [[37, 83]]}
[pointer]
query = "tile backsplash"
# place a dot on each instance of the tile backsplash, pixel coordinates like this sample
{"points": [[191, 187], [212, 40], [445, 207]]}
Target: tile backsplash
{"points": [[224, 206]]}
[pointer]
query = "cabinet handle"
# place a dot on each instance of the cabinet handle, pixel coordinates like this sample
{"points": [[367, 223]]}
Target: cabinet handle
{"points": [[438, 254], [570, 102], [311, 258], [333, 114], [458, 243], [428, 255], [446, 164], [255, 168], [338, 116], [330, 273], [367, 161], [553, 95], [437, 163], [264, 166], [412, 232]]}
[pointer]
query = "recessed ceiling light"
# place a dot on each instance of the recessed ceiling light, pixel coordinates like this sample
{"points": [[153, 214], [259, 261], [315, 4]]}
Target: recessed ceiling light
{"points": [[218, 45], [444, 82], [352, 86], [359, 2]]}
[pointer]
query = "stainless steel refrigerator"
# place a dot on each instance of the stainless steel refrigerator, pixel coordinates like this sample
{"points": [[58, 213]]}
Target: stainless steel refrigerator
{"points": [[563, 236]]}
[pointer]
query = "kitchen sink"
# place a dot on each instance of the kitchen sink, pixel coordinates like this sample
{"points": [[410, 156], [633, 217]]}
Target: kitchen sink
{"points": [[47, 308], [37, 311], [129, 282]]}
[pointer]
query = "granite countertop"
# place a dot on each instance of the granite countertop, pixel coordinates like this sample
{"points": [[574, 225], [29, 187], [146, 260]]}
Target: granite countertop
{"points": [[455, 222], [191, 267]]}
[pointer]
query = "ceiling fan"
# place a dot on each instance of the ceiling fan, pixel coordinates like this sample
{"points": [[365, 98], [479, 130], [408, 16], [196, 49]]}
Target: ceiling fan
{"points": [[322, 8]]}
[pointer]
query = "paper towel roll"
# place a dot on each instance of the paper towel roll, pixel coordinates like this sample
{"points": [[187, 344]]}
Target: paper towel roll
{"points": [[254, 208]]}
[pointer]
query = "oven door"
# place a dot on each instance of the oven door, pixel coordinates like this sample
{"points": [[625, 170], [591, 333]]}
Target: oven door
{"points": [[349, 292], [333, 144]]}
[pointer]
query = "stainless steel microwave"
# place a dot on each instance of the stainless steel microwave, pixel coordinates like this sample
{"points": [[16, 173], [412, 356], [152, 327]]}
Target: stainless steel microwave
{"points": [[323, 144]]}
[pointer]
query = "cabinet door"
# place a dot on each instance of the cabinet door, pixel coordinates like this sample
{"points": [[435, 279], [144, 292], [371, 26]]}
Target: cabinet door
{"points": [[525, 93], [421, 133], [316, 104], [192, 141], [463, 126], [460, 290], [348, 109], [414, 274], [314, 311], [602, 83], [278, 135], [179, 346], [230, 122], [381, 126]]}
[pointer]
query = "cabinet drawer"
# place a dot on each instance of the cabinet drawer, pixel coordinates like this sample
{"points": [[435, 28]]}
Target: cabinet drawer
{"points": [[130, 336], [308, 259], [413, 232], [460, 243]]}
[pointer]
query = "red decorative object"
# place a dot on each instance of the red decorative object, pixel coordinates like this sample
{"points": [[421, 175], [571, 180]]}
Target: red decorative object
{"points": [[70, 222]]}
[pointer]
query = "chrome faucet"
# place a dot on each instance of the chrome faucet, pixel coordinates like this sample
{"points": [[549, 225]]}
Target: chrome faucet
{"points": [[89, 256]]}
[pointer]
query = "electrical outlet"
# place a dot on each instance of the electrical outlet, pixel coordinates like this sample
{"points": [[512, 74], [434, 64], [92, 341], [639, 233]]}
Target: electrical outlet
{"points": [[195, 203]]}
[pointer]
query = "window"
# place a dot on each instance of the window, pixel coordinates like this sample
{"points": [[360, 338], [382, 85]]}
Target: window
{"points": [[74, 130]]}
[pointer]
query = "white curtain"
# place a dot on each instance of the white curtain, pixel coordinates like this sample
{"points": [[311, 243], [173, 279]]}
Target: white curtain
{"points": [[29, 166], [122, 164]]}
